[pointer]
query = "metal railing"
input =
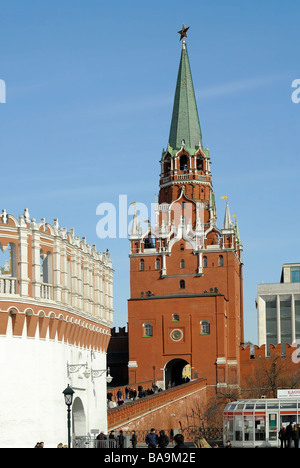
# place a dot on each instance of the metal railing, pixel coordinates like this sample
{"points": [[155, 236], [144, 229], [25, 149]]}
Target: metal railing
{"points": [[191, 435], [90, 442]]}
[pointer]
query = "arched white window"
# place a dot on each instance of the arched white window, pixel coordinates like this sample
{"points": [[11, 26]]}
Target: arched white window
{"points": [[142, 265], [167, 165], [148, 329], [157, 264], [199, 163], [204, 262], [46, 267], [220, 261], [8, 261], [204, 327], [182, 263]]}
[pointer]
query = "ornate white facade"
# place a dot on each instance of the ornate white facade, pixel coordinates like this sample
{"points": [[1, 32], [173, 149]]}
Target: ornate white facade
{"points": [[56, 310]]}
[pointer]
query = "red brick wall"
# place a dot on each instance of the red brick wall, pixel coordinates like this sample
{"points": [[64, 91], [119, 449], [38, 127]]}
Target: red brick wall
{"points": [[171, 409], [251, 360]]}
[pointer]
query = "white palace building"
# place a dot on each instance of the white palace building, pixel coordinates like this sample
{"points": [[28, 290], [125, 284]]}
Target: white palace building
{"points": [[56, 312]]}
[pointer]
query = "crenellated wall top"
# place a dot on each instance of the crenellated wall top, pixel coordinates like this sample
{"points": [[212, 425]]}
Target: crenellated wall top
{"points": [[256, 352]]}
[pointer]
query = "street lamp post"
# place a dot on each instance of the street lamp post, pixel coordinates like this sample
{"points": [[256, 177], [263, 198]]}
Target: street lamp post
{"points": [[68, 394]]}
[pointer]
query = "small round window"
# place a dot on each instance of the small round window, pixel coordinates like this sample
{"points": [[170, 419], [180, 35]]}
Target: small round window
{"points": [[176, 335]]}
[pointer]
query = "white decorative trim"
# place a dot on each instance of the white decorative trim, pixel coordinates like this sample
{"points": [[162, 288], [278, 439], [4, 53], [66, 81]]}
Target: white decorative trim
{"points": [[221, 360], [132, 364], [232, 363]]}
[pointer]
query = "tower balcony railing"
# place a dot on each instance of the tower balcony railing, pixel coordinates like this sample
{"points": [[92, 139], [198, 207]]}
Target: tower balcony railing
{"points": [[46, 291], [187, 176], [8, 285], [183, 176]]}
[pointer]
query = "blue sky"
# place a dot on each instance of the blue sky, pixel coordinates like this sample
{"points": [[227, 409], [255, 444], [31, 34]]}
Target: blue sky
{"points": [[90, 87]]}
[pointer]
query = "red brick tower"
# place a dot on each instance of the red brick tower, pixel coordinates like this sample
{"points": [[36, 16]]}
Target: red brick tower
{"points": [[185, 303]]}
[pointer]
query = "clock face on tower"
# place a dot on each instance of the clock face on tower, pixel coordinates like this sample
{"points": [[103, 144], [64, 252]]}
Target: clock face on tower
{"points": [[176, 334]]}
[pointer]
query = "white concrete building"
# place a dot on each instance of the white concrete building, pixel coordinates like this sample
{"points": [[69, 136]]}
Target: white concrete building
{"points": [[56, 311], [278, 309]]}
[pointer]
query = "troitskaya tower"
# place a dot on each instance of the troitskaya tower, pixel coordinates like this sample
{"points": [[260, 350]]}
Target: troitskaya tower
{"points": [[185, 305]]}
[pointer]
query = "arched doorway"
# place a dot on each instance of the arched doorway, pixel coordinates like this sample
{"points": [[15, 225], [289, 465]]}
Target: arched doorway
{"points": [[173, 372], [79, 418]]}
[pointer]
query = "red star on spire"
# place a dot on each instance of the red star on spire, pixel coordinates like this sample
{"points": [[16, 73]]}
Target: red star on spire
{"points": [[183, 32]]}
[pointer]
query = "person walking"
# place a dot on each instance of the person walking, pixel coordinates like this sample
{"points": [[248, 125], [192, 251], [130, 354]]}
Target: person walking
{"points": [[289, 433], [121, 439], [112, 441], [179, 442], [152, 439], [163, 440], [101, 437], [296, 436], [282, 437], [133, 439]]}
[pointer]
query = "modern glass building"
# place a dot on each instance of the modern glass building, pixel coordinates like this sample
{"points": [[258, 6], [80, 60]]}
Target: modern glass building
{"points": [[256, 423], [278, 309]]}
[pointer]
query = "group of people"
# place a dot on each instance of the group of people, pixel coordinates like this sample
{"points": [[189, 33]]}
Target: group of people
{"points": [[39, 445], [42, 445], [131, 394], [113, 439], [161, 441], [288, 434], [152, 440]]}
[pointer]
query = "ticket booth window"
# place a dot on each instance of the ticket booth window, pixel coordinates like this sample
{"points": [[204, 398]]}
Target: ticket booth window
{"points": [[248, 428], [273, 426], [260, 428], [238, 428]]}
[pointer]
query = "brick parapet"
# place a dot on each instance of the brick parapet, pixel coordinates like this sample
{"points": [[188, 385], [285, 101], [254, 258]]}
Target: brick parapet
{"points": [[250, 356], [125, 414]]}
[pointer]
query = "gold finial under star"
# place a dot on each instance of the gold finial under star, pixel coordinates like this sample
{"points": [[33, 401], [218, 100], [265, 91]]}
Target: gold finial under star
{"points": [[183, 32]]}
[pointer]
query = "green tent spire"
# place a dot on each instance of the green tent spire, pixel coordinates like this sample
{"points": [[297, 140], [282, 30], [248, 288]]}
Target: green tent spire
{"points": [[185, 123]]}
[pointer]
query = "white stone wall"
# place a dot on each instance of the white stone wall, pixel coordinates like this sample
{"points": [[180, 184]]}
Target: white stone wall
{"points": [[35, 369], [34, 375]]}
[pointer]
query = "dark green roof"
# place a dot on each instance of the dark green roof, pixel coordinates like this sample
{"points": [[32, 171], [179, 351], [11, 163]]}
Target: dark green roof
{"points": [[185, 123]]}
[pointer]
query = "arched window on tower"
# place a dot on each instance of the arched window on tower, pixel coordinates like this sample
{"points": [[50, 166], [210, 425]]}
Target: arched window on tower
{"points": [[8, 261], [46, 267], [220, 261], [157, 264], [148, 329], [204, 262], [167, 165], [199, 163], [142, 265], [149, 242], [182, 284], [183, 162], [8, 268], [204, 327], [182, 263]]}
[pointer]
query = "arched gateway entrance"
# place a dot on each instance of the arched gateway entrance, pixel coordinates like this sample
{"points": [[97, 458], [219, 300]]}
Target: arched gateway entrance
{"points": [[79, 418], [173, 372]]}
